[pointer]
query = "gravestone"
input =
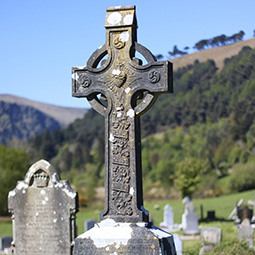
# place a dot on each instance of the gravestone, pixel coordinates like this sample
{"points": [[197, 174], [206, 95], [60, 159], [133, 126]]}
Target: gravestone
{"points": [[210, 215], [189, 218], [245, 232], [168, 217], [178, 244], [88, 224], [210, 236], [121, 89], [43, 211], [5, 242]]}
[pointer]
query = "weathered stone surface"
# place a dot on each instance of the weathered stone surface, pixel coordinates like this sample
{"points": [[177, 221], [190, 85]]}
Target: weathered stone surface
{"points": [[127, 90], [189, 218], [123, 81], [168, 217], [210, 236], [178, 244], [245, 232], [43, 211], [110, 237]]}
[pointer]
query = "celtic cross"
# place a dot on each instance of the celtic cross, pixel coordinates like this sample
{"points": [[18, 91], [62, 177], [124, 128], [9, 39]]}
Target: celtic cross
{"points": [[120, 88]]}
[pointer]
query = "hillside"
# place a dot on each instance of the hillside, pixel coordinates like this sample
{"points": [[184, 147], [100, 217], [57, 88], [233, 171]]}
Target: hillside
{"points": [[208, 123], [21, 119], [63, 115], [21, 122], [218, 54]]}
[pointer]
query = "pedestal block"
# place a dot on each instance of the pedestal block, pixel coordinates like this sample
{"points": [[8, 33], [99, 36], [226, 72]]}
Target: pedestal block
{"points": [[110, 237]]}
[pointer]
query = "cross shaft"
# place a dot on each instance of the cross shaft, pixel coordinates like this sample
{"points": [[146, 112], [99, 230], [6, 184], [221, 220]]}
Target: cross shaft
{"points": [[122, 80]]}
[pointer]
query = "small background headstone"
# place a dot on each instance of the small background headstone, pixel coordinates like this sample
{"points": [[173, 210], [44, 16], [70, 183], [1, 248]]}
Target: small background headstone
{"points": [[88, 224], [209, 238], [168, 217], [5, 242], [178, 244], [245, 232], [43, 209], [210, 215], [189, 218]]}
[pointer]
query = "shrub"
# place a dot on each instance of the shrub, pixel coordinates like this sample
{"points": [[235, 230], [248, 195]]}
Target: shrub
{"points": [[232, 247], [242, 178]]}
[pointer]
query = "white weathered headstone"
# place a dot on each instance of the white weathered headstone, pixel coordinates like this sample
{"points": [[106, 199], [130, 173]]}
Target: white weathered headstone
{"points": [[210, 235], [209, 238], [245, 232], [178, 244], [43, 210], [168, 217], [189, 218]]}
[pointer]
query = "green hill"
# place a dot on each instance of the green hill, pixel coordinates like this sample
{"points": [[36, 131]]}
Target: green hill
{"points": [[21, 123], [209, 118]]}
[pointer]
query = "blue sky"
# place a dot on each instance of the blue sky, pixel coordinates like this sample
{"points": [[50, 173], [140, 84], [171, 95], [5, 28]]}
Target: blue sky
{"points": [[40, 41]]}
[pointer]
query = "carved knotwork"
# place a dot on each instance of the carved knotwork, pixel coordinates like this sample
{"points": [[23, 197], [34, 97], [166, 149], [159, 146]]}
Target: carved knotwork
{"points": [[129, 88]]}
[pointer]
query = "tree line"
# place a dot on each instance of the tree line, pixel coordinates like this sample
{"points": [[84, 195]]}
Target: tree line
{"points": [[216, 41], [220, 40]]}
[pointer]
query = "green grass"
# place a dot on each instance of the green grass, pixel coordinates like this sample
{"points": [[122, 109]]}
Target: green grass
{"points": [[222, 206], [5, 229]]}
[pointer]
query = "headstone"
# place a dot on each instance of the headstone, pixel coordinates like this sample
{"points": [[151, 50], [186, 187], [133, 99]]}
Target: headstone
{"points": [[178, 244], [43, 211], [89, 224], [5, 242], [210, 236], [245, 232], [168, 217], [210, 215], [128, 89], [189, 218]]}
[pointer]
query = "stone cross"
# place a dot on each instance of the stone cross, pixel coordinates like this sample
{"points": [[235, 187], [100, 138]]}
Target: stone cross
{"points": [[129, 89]]}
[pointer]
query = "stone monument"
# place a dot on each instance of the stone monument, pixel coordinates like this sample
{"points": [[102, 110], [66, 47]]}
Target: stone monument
{"points": [[121, 89], [168, 222], [210, 237], [43, 211], [189, 218], [178, 244], [245, 232]]}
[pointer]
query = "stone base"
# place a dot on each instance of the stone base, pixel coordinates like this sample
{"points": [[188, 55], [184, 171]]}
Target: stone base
{"points": [[109, 237]]}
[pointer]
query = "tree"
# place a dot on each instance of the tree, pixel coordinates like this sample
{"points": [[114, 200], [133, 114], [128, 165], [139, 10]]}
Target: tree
{"points": [[188, 176], [176, 51], [13, 165], [201, 44], [159, 56]]}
